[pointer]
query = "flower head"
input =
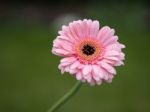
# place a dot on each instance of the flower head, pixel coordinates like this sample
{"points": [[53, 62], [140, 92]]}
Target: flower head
{"points": [[89, 52]]}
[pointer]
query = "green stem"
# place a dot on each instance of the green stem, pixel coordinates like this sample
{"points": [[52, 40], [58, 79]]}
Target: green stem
{"points": [[66, 97]]}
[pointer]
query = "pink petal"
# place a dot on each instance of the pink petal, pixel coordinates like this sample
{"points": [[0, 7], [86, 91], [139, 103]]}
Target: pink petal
{"points": [[79, 76], [86, 70], [73, 30], [80, 66], [111, 53], [99, 82], [94, 28], [68, 59], [108, 67], [111, 40], [75, 65], [105, 33], [111, 58], [95, 71]]}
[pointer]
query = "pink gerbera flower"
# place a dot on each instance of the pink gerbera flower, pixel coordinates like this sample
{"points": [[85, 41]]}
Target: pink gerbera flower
{"points": [[89, 53]]}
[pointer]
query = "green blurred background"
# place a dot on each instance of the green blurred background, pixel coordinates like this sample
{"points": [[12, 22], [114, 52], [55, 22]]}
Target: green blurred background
{"points": [[29, 77]]}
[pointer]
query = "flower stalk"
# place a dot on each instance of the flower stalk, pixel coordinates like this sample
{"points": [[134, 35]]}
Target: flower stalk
{"points": [[66, 97]]}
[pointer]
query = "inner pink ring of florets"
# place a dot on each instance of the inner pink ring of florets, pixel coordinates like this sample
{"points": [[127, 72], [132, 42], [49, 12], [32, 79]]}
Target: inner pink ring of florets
{"points": [[88, 50]]}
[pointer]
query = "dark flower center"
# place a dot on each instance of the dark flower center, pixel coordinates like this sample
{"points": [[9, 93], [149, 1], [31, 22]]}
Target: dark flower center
{"points": [[88, 49]]}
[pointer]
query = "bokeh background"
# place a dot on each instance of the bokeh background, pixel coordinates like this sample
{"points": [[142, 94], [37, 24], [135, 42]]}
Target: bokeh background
{"points": [[29, 77]]}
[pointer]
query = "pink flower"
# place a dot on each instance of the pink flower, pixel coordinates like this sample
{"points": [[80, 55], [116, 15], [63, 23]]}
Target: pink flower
{"points": [[89, 53]]}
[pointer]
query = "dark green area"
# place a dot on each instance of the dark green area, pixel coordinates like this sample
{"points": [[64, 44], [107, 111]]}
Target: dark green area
{"points": [[31, 82]]}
